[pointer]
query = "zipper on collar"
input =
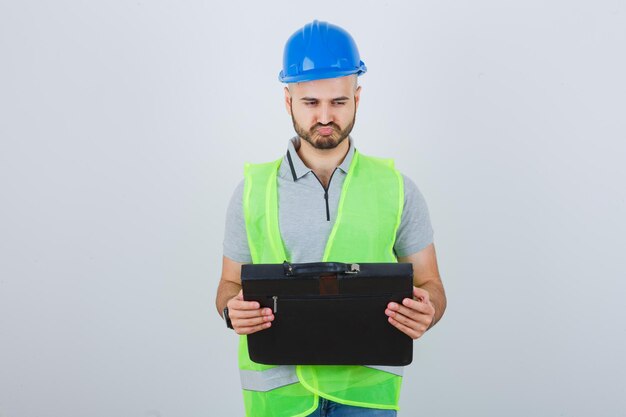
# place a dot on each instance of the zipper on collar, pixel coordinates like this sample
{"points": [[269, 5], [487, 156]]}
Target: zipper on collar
{"points": [[327, 209], [326, 191]]}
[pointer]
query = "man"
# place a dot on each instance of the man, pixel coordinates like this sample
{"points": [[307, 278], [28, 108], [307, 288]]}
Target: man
{"points": [[323, 193]]}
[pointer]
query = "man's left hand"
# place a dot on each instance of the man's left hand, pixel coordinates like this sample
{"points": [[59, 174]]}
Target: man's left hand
{"points": [[413, 316]]}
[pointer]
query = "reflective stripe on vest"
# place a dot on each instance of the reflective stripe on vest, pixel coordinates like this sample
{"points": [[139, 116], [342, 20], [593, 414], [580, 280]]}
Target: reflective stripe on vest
{"points": [[282, 375], [268, 379]]}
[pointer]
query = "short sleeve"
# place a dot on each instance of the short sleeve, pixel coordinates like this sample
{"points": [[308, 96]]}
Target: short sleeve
{"points": [[415, 231], [235, 237]]}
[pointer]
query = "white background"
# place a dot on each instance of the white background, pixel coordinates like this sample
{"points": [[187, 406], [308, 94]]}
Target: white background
{"points": [[124, 127]]}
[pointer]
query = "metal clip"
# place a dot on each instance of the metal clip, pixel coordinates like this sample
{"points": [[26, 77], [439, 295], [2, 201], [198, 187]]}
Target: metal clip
{"points": [[288, 268], [354, 269]]}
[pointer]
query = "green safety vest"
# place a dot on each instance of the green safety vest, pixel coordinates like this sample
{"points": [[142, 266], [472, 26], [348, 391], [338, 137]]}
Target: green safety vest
{"points": [[368, 216]]}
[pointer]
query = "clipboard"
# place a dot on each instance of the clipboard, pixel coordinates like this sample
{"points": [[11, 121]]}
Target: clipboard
{"points": [[329, 313]]}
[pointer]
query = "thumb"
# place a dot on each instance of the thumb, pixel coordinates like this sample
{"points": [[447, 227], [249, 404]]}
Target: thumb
{"points": [[421, 295]]}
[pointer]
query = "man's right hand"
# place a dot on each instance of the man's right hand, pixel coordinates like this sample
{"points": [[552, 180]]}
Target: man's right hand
{"points": [[247, 317]]}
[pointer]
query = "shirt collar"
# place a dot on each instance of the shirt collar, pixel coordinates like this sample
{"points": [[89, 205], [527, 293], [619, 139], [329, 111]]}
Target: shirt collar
{"points": [[299, 169]]}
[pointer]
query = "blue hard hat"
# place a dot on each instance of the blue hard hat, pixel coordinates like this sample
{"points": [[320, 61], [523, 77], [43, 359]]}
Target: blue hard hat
{"points": [[320, 50]]}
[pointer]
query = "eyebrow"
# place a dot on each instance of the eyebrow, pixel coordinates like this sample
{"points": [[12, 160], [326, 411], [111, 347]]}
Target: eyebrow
{"points": [[342, 98]]}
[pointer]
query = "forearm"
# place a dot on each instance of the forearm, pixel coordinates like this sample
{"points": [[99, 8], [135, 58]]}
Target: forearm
{"points": [[225, 291], [437, 296]]}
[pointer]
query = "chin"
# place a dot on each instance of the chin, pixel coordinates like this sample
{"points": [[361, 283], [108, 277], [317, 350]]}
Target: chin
{"points": [[323, 142], [326, 145]]}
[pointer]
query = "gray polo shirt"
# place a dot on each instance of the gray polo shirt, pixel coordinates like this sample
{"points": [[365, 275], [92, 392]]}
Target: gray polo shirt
{"points": [[307, 212]]}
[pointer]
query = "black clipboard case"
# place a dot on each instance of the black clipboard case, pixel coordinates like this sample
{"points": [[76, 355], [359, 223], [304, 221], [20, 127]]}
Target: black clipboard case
{"points": [[329, 313]]}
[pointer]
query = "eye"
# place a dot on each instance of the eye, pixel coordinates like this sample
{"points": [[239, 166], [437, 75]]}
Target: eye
{"points": [[340, 103], [309, 103]]}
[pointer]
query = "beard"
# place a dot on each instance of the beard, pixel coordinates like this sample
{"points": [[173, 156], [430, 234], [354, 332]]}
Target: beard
{"points": [[324, 141]]}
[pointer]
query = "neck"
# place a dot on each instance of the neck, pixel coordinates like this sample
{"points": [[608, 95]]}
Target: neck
{"points": [[323, 161]]}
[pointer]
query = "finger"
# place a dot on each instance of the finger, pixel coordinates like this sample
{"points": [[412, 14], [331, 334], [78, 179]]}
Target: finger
{"points": [[253, 329], [419, 324], [421, 306], [408, 317], [234, 304], [395, 309], [411, 308], [421, 294], [239, 295], [414, 311], [247, 314], [404, 329], [254, 321]]}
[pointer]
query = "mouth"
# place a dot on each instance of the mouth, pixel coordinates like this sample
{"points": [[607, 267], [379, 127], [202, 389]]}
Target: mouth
{"points": [[325, 131]]}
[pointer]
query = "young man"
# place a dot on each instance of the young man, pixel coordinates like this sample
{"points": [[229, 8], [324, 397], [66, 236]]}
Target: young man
{"points": [[325, 193]]}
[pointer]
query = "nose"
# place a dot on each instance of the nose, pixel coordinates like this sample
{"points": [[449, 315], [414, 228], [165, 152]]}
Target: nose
{"points": [[324, 116]]}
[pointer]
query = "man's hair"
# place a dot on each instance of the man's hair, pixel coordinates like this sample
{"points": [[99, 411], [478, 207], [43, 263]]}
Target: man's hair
{"points": [[354, 76]]}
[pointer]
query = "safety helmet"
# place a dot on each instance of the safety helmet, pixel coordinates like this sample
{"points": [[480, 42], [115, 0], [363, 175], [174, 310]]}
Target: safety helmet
{"points": [[320, 50]]}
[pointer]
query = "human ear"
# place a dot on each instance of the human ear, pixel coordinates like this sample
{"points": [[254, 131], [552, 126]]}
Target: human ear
{"points": [[287, 100], [357, 97]]}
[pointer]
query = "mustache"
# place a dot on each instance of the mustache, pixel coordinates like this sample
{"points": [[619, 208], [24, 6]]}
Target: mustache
{"points": [[331, 124]]}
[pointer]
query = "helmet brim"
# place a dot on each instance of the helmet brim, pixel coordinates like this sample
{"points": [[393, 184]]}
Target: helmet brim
{"points": [[313, 75]]}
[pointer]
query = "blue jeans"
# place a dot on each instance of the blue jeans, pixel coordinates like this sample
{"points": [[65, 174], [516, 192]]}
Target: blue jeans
{"points": [[328, 408]]}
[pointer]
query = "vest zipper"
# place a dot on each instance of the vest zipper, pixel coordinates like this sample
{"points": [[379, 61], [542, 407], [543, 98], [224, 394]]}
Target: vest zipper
{"points": [[326, 192]]}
